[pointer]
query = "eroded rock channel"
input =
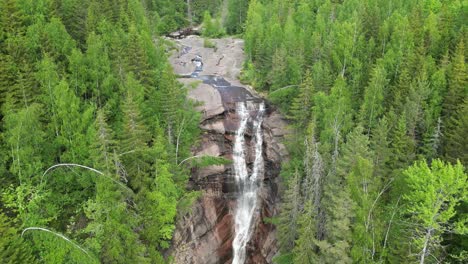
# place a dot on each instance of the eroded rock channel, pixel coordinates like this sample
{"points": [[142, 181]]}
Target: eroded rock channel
{"points": [[227, 223]]}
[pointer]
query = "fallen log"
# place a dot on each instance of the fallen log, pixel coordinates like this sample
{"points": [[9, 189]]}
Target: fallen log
{"points": [[184, 32]]}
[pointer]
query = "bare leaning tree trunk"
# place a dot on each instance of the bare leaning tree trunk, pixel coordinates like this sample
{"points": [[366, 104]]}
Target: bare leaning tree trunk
{"points": [[425, 249]]}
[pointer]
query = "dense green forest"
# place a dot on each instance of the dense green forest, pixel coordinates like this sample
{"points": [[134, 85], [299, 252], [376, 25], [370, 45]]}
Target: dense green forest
{"points": [[94, 125], [86, 83], [376, 91]]}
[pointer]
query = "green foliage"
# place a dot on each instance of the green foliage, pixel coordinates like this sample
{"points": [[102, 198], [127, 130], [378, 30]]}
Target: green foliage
{"points": [[382, 85], [288, 218], [207, 43], [433, 194], [83, 82], [372, 107], [186, 202], [13, 249], [236, 16], [212, 28], [205, 161], [198, 9], [456, 140]]}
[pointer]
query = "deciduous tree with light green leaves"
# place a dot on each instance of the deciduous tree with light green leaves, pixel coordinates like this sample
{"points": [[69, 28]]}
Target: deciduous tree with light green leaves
{"points": [[433, 193]]}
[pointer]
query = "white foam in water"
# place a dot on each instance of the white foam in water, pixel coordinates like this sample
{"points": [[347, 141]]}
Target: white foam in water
{"points": [[247, 184]]}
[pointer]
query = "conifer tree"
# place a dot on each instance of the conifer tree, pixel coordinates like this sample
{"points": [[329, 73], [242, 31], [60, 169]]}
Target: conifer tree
{"points": [[457, 82], [336, 247], [112, 219], [137, 60], [356, 165], [134, 143], [13, 249], [380, 145], [456, 139], [289, 214], [212, 28], [306, 248], [301, 108], [99, 79], [402, 146], [237, 14], [334, 114], [372, 107]]}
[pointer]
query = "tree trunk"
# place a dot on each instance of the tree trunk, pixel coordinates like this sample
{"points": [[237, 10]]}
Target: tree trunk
{"points": [[425, 250], [189, 13]]}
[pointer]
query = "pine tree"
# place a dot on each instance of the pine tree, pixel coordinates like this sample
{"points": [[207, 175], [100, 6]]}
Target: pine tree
{"points": [[416, 103], [334, 114], [212, 28], [311, 222], [253, 30], [99, 80], [400, 90], [159, 208], [70, 143], [72, 120], [73, 15]]}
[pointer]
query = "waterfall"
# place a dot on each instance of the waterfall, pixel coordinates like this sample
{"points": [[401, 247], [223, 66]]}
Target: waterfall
{"points": [[247, 184]]}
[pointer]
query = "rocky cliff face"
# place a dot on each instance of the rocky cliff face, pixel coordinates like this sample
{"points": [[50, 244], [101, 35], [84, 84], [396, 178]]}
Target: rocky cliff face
{"points": [[205, 235]]}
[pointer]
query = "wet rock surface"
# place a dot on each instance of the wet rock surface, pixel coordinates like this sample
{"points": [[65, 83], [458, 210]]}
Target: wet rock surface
{"points": [[205, 235]]}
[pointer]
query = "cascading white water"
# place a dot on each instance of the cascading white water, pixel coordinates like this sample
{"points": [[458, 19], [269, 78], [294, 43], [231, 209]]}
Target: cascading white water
{"points": [[248, 185]]}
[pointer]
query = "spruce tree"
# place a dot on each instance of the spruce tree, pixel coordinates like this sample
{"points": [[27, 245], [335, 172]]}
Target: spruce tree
{"points": [[290, 211], [301, 108], [457, 82], [455, 139], [134, 144]]}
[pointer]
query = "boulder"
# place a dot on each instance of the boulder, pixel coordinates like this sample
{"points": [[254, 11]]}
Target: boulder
{"points": [[210, 99]]}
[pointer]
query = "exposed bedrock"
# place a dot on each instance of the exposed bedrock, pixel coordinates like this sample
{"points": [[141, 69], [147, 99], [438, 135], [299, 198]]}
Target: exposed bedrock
{"points": [[206, 234]]}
